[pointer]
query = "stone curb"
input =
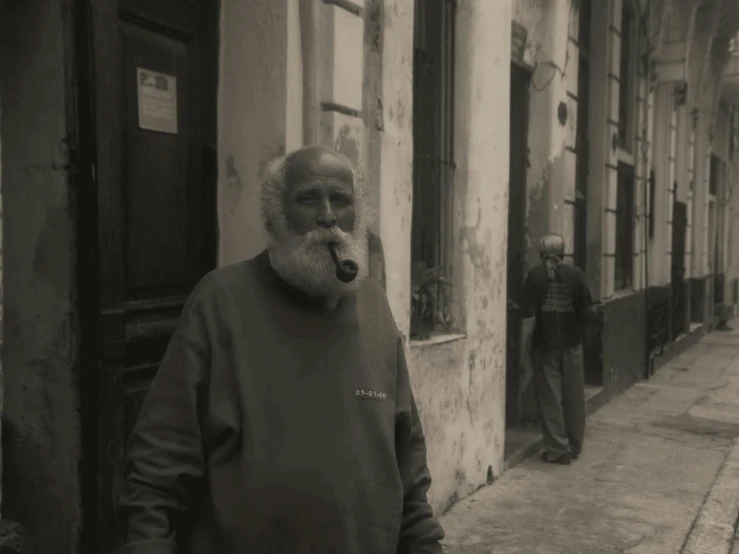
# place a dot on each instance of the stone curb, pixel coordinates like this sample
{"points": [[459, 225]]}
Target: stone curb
{"points": [[715, 525]]}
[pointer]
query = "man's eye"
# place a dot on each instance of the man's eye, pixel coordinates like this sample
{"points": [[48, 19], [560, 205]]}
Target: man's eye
{"points": [[342, 200], [307, 199]]}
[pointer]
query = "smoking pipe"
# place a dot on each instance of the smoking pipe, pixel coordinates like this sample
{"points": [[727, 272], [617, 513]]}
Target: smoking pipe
{"points": [[346, 270]]}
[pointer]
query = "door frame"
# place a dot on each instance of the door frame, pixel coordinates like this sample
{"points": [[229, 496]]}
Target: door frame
{"points": [[83, 180], [88, 278], [514, 391]]}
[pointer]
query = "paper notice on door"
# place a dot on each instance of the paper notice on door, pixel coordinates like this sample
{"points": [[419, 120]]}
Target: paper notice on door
{"points": [[157, 95]]}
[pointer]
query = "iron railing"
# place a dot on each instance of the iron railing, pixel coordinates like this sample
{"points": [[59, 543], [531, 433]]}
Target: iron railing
{"points": [[624, 228], [658, 320]]}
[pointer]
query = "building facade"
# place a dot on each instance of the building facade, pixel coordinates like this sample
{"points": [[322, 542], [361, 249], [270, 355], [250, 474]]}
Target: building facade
{"points": [[629, 157], [478, 124], [134, 135]]}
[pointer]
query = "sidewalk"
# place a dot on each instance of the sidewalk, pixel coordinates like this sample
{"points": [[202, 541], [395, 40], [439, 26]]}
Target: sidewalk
{"points": [[659, 473]]}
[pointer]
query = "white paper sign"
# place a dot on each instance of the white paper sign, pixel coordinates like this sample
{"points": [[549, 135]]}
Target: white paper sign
{"points": [[157, 95]]}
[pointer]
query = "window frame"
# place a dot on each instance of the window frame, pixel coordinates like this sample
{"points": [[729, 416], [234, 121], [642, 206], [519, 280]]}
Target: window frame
{"points": [[628, 84], [433, 140]]}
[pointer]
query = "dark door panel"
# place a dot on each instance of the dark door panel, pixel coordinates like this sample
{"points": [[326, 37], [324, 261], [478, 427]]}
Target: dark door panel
{"points": [[155, 180], [518, 165]]}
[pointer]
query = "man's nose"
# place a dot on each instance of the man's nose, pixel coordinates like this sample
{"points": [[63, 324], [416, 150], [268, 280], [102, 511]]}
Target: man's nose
{"points": [[326, 215]]}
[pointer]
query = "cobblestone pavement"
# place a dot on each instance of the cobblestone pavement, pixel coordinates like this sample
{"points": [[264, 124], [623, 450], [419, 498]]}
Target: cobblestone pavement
{"points": [[658, 473]]}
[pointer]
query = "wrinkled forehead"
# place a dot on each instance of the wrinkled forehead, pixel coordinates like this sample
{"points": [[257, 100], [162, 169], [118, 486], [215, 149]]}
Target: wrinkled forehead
{"points": [[316, 166]]}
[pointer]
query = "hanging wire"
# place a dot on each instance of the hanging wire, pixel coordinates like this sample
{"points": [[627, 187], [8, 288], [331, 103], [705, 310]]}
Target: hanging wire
{"points": [[555, 68]]}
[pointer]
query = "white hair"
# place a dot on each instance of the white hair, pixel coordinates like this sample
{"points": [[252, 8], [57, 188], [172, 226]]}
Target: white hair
{"points": [[274, 188]]}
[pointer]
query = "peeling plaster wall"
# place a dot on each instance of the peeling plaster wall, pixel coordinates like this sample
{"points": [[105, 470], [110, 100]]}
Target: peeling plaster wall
{"points": [[41, 434], [531, 14], [252, 115], [396, 152], [551, 49], [460, 384]]}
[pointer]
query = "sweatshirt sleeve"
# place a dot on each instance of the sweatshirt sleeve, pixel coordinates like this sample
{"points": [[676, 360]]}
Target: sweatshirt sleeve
{"points": [[420, 531], [165, 461]]}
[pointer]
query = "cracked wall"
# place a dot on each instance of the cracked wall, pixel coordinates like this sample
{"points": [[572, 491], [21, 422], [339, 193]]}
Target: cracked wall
{"points": [[552, 56], [459, 381], [253, 115]]}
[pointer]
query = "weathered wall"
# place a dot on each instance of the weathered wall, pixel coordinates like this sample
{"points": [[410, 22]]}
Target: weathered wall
{"points": [[396, 169], [41, 432], [291, 74], [459, 381], [551, 50], [252, 116]]}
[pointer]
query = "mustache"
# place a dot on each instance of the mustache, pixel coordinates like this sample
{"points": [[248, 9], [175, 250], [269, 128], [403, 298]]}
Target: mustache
{"points": [[324, 236]]}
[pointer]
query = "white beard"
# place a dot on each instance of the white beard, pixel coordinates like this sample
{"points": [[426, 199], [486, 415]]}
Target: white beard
{"points": [[304, 261]]}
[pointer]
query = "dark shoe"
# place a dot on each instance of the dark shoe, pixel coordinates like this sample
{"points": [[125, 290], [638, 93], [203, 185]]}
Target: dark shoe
{"points": [[575, 455], [562, 459]]}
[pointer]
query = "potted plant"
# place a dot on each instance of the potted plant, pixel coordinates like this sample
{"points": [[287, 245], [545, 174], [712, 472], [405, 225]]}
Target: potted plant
{"points": [[426, 316]]}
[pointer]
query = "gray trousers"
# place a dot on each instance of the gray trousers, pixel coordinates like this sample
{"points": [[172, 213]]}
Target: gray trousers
{"points": [[559, 386]]}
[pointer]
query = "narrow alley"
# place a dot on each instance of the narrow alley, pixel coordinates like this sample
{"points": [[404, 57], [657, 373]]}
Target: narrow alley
{"points": [[659, 473]]}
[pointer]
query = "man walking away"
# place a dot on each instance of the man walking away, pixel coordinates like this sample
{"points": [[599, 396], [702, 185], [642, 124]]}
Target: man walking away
{"points": [[558, 297]]}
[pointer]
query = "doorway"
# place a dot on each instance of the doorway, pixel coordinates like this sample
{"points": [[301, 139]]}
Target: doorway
{"points": [[593, 339], [147, 214], [518, 165], [582, 138]]}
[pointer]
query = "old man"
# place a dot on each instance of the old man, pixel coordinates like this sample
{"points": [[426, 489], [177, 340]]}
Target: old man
{"points": [[282, 419]]}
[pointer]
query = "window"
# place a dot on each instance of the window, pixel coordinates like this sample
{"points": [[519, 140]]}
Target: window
{"points": [[627, 89], [624, 254], [714, 175], [624, 228], [433, 145]]}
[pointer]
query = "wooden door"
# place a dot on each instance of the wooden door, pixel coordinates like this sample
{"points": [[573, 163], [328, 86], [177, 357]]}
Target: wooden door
{"points": [[518, 165], [154, 71]]}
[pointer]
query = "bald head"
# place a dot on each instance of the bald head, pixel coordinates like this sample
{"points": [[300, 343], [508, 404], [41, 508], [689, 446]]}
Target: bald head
{"points": [[317, 163], [313, 187]]}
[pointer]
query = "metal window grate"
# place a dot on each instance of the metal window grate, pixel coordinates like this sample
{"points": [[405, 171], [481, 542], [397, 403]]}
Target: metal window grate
{"points": [[433, 131]]}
